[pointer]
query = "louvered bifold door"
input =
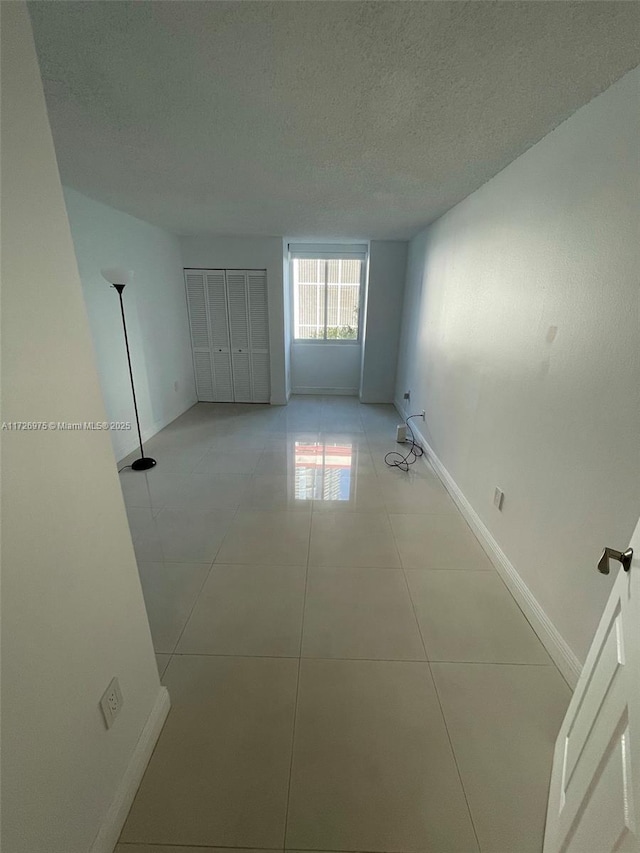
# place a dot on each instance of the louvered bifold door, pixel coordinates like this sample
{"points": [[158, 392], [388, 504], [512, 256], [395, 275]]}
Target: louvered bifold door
{"points": [[200, 338], [239, 331], [259, 336], [220, 348]]}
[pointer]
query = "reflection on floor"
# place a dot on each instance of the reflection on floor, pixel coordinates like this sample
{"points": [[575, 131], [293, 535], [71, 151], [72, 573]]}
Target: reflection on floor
{"points": [[346, 669]]}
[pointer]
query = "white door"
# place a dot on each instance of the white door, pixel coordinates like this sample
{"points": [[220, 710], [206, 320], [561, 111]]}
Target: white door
{"points": [[229, 322], [200, 336], [220, 350], [239, 328], [594, 798]]}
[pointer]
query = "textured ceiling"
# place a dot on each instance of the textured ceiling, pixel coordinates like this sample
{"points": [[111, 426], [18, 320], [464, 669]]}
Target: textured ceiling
{"points": [[313, 118]]}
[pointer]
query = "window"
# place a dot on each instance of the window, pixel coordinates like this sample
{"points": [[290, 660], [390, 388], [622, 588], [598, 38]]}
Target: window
{"points": [[327, 296]]}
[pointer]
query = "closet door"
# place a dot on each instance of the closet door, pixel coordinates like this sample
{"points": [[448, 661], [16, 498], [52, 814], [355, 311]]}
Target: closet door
{"points": [[239, 329], [259, 336], [200, 338], [220, 349]]}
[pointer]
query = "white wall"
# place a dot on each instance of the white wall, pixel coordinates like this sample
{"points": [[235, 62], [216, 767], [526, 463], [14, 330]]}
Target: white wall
{"points": [[156, 312], [72, 609], [208, 252], [387, 269], [520, 339], [324, 368]]}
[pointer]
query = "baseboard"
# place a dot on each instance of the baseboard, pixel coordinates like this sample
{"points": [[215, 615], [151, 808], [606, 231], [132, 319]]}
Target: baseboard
{"points": [[109, 832], [376, 400], [554, 643], [310, 389]]}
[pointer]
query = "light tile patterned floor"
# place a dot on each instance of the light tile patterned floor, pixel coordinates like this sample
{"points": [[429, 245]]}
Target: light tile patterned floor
{"points": [[347, 671]]}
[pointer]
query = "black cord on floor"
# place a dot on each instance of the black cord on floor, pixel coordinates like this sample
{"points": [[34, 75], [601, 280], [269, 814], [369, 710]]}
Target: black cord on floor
{"points": [[395, 459]]}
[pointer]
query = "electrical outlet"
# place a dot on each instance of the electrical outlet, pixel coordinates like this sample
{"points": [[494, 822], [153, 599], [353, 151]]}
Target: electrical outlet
{"points": [[111, 702], [498, 498], [423, 414], [407, 395]]}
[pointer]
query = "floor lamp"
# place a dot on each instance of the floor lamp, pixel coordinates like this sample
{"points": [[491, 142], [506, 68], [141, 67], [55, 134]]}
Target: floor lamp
{"points": [[119, 278]]}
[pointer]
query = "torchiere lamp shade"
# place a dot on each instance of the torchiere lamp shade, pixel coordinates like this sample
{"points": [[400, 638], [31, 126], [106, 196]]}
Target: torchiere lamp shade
{"points": [[117, 275]]}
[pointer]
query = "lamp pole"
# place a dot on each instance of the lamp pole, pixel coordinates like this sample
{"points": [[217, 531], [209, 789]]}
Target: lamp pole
{"points": [[145, 462]]}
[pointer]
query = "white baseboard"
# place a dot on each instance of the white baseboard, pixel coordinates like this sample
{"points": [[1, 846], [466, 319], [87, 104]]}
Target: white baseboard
{"points": [[310, 389], [109, 832], [375, 400], [554, 643]]}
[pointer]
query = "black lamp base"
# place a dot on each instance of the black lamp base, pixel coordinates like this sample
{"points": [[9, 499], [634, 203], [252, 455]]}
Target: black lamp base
{"points": [[143, 464]]}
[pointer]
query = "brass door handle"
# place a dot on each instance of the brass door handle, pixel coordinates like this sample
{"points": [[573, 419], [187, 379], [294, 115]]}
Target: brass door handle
{"points": [[623, 557]]}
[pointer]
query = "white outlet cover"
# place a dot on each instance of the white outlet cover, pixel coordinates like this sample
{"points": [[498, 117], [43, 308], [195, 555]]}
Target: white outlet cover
{"points": [[111, 702], [498, 498]]}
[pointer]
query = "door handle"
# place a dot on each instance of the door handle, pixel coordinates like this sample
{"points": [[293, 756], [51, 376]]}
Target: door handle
{"points": [[623, 557]]}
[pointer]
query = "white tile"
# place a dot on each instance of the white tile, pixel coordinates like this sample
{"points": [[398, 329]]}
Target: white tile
{"points": [[276, 462], [144, 534], [210, 490], [247, 610], [503, 721], [415, 492], [471, 616], [220, 771], [342, 423], [363, 495], [236, 461], [153, 488], [358, 440], [170, 591], [360, 613], [437, 542], [273, 492], [372, 766], [238, 442], [356, 539], [178, 457], [272, 538], [190, 536], [295, 421]]}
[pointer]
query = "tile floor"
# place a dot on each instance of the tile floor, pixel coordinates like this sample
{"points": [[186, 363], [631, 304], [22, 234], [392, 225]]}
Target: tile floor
{"points": [[347, 671]]}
